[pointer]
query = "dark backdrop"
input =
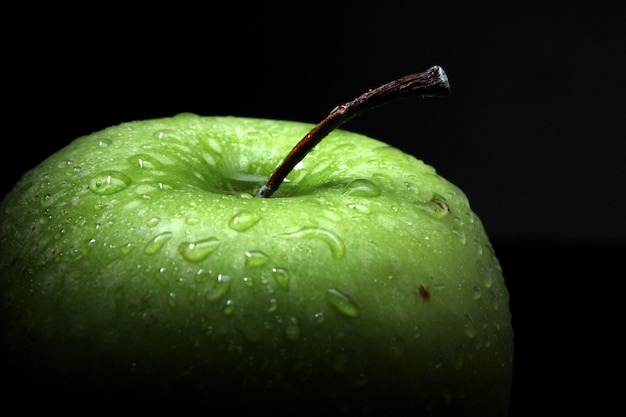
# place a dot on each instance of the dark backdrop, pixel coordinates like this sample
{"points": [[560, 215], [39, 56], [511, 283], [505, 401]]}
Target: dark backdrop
{"points": [[533, 131]]}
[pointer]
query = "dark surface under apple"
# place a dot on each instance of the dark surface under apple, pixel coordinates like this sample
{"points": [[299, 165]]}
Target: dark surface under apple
{"points": [[567, 305], [568, 318]]}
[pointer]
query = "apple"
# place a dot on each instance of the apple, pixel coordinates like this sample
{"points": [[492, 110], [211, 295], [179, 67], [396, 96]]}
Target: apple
{"points": [[154, 263]]}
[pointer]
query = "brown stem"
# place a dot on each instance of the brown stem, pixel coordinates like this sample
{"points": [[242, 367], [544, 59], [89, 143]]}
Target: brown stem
{"points": [[430, 83]]}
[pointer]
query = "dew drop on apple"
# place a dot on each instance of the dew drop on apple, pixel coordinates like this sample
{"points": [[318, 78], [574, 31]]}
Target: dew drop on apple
{"points": [[334, 242], [417, 331], [103, 143], [477, 292], [243, 220], [167, 134], [64, 164], [197, 251], [397, 347], [281, 276], [229, 307], [109, 182], [468, 327], [255, 259], [340, 362], [319, 318], [479, 246], [485, 273], [273, 305], [144, 161], [219, 288], [127, 248], [157, 243], [292, 329], [458, 362], [248, 330], [342, 303], [119, 297], [45, 200], [437, 208], [362, 188], [171, 300], [153, 221], [460, 235], [360, 208]]}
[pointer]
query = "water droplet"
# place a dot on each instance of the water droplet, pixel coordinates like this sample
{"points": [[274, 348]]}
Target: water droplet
{"points": [[146, 297], [243, 220], [319, 318], [342, 303], [417, 331], [479, 246], [46, 200], [468, 327], [270, 289], [144, 161], [119, 297], [477, 292], [246, 182], [273, 305], [197, 251], [360, 208], [485, 273], [157, 243], [282, 277], [167, 134], [109, 182], [292, 329], [334, 242], [103, 143], [437, 363], [171, 299], [229, 307], [458, 362], [438, 207], [248, 281], [153, 221], [460, 235], [65, 164], [163, 185], [362, 188], [340, 362], [248, 330], [255, 259], [397, 347], [219, 288], [127, 248], [191, 221]]}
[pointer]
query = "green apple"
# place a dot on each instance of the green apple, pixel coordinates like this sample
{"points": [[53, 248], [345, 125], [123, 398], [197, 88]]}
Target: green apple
{"points": [[137, 264]]}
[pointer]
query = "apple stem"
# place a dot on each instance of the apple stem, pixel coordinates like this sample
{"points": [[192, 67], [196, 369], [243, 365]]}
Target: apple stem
{"points": [[430, 83]]}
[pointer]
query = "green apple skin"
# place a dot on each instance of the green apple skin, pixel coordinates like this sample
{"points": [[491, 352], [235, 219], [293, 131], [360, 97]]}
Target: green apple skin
{"points": [[137, 265]]}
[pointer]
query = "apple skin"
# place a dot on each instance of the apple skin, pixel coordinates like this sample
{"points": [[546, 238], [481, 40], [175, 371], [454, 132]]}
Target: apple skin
{"points": [[136, 265]]}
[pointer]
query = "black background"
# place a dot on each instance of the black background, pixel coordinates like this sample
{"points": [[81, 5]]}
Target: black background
{"points": [[533, 131]]}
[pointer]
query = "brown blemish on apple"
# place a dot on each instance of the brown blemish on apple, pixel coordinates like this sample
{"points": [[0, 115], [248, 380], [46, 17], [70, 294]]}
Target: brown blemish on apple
{"points": [[423, 292], [443, 205]]}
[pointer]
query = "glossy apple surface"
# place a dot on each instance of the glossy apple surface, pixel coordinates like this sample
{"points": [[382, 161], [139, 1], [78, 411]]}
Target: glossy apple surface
{"points": [[136, 263]]}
